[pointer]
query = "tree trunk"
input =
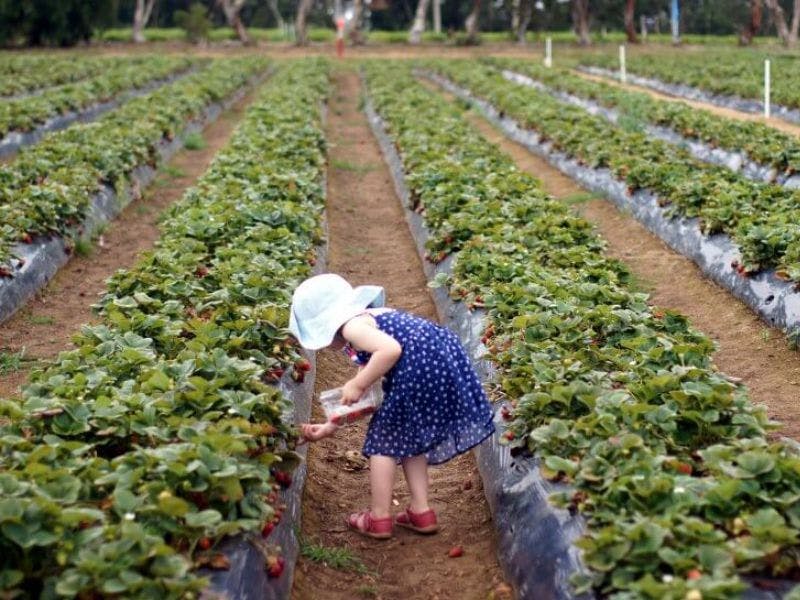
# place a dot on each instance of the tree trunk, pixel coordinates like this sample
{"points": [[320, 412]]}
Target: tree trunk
{"points": [[580, 20], [524, 20], [516, 6], [232, 10], [471, 22], [779, 17], [356, 35], [273, 8], [795, 23], [141, 15], [418, 26], [630, 21], [301, 21], [749, 31]]}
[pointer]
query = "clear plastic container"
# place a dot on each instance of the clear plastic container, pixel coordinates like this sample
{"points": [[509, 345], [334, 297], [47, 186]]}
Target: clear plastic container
{"points": [[342, 414]]}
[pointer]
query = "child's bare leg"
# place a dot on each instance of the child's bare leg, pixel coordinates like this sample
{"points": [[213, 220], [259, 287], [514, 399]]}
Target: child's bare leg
{"points": [[416, 472], [381, 480]]}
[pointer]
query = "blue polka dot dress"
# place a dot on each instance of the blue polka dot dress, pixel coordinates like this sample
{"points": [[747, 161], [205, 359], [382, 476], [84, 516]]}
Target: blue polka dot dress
{"points": [[433, 402]]}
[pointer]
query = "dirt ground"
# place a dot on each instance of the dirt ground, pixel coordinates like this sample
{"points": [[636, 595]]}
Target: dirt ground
{"points": [[746, 347], [44, 326], [370, 243]]}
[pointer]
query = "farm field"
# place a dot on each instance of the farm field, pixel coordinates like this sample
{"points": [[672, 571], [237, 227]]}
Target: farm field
{"points": [[636, 400]]}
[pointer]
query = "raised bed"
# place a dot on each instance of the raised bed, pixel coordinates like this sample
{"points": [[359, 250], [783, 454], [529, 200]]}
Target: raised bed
{"points": [[774, 300], [535, 539], [792, 115], [736, 161], [16, 140], [43, 258]]}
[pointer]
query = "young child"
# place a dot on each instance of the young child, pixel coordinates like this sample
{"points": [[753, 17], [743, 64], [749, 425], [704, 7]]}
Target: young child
{"points": [[433, 409]]}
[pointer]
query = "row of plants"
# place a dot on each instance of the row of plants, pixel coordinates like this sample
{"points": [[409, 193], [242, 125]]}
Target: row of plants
{"points": [[762, 143], [25, 114], [720, 72], [48, 188], [20, 74], [760, 217], [681, 491], [130, 458]]}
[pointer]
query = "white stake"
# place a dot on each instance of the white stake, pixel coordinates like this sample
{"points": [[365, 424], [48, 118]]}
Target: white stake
{"points": [[623, 75], [548, 52], [766, 89]]}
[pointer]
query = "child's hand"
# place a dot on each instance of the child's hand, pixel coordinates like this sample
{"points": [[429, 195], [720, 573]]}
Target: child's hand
{"points": [[351, 392], [313, 432]]}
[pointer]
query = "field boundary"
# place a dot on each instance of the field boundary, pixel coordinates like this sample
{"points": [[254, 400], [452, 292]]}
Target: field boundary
{"points": [[535, 539], [43, 258], [774, 300], [14, 141]]}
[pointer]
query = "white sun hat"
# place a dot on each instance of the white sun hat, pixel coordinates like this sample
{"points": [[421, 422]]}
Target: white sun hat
{"points": [[322, 304]]}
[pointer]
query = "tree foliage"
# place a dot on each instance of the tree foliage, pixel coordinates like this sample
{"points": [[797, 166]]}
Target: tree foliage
{"points": [[50, 22]]}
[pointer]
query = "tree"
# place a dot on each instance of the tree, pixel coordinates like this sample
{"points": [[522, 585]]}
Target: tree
{"points": [[301, 21], [141, 15], [752, 26], [787, 34], [194, 22], [273, 8], [630, 22], [525, 14], [471, 22], [232, 10], [415, 33], [580, 20]]}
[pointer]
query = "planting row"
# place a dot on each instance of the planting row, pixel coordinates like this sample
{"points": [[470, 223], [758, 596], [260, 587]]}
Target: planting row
{"points": [[758, 142], [48, 188], [761, 218], [667, 459], [130, 458], [20, 74], [25, 114], [728, 73]]}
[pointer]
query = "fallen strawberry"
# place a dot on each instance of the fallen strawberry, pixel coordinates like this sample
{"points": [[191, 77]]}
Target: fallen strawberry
{"points": [[275, 565], [455, 552]]}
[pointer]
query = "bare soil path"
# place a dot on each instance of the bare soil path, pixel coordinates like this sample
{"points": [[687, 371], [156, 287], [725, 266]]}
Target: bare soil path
{"points": [[747, 348], [369, 242], [45, 325], [730, 113]]}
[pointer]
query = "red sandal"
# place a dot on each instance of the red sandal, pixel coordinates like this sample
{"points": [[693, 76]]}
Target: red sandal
{"points": [[424, 522], [364, 523]]}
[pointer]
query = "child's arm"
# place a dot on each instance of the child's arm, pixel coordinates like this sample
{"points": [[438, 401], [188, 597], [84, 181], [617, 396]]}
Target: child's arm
{"points": [[385, 351], [313, 432]]}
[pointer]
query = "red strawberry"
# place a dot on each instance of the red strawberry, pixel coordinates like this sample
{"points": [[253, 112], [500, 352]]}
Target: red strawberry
{"points": [[282, 477], [275, 565], [506, 413], [267, 529], [298, 375], [682, 467], [693, 574], [27, 239], [201, 271], [303, 364], [509, 435], [204, 543], [455, 552]]}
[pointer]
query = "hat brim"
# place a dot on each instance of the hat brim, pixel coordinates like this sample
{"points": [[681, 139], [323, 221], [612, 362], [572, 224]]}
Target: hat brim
{"points": [[319, 332]]}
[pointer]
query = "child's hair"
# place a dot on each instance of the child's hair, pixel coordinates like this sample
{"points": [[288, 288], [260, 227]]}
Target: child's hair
{"points": [[322, 304]]}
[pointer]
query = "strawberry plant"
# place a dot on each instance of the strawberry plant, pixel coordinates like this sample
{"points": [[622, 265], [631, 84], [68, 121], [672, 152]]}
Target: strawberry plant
{"points": [[48, 187], [760, 217], [669, 463], [130, 457]]}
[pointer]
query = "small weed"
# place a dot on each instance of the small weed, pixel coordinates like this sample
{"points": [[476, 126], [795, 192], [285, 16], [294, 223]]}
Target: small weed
{"points": [[368, 591], [194, 141], [41, 320], [794, 339], [362, 102], [336, 558], [578, 198], [142, 209], [765, 335], [637, 284], [348, 166], [83, 247], [11, 361], [172, 171]]}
